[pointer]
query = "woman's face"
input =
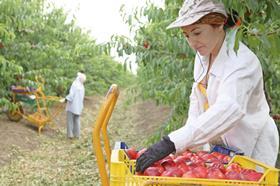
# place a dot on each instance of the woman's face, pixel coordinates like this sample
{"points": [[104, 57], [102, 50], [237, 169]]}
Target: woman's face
{"points": [[204, 38]]}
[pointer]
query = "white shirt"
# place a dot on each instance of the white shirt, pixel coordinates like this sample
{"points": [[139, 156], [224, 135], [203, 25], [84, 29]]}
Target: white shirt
{"points": [[238, 110]]}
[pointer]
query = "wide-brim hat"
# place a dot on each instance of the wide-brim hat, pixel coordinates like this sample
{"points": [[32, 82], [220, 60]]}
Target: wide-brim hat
{"points": [[193, 10]]}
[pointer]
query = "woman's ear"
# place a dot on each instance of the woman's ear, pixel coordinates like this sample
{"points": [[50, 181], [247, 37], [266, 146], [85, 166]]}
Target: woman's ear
{"points": [[220, 28]]}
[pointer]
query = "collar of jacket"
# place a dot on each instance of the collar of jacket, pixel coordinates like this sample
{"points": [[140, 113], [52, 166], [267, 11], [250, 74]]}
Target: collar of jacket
{"points": [[224, 53]]}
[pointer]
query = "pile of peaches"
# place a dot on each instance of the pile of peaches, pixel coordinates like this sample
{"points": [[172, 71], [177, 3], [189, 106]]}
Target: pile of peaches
{"points": [[200, 164]]}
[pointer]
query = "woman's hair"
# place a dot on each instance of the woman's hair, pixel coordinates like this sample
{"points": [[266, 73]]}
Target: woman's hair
{"points": [[212, 19], [216, 19]]}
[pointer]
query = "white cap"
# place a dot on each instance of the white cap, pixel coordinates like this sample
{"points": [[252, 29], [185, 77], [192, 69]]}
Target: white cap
{"points": [[81, 77], [193, 10]]}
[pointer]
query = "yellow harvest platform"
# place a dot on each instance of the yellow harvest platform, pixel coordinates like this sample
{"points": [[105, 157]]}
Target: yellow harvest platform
{"points": [[122, 169], [42, 115]]}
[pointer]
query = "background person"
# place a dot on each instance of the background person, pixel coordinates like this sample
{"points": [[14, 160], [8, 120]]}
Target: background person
{"points": [[227, 102], [74, 105]]}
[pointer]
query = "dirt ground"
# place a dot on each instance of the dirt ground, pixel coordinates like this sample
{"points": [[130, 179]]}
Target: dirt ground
{"points": [[27, 158]]}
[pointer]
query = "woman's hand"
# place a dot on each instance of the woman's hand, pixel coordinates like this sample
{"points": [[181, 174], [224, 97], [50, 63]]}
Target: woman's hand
{"points": [[154, 153]]}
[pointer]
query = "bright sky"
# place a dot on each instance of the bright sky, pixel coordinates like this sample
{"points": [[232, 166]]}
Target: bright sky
{"points": [[102, 17]]}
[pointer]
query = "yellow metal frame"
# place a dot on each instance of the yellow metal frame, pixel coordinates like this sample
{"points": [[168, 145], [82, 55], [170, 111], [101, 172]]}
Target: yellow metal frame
{"points": [[99, 128], [42, 116]]}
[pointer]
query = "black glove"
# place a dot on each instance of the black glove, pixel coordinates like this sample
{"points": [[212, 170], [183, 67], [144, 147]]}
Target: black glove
{"points": [[154, 153]]}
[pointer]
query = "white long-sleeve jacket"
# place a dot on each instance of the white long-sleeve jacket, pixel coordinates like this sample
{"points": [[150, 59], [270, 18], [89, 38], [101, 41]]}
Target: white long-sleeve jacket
{"points": [[238, 110], [75, 97]]}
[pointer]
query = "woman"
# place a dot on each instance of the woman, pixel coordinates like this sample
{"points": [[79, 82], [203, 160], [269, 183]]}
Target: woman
{"points": [[74, 105], [227, 102]]}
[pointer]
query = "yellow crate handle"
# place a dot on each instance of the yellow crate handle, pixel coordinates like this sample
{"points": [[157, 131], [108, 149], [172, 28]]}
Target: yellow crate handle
{"points": [[101, 125]]}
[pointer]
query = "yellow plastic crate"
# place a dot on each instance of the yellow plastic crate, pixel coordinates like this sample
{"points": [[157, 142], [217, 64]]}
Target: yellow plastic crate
{"points": [[122, 173]]}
